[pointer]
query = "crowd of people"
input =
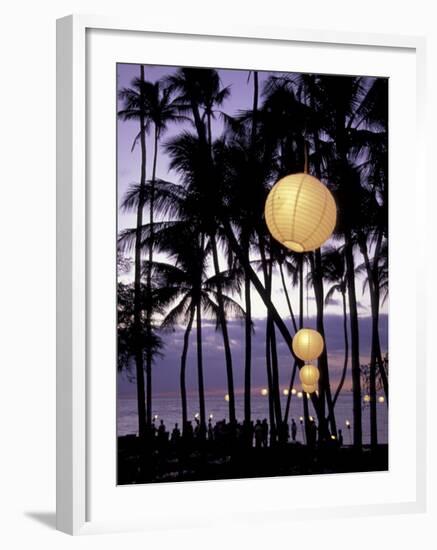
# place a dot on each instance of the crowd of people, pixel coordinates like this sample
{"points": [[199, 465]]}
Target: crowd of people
{"points": [[256, 434]]}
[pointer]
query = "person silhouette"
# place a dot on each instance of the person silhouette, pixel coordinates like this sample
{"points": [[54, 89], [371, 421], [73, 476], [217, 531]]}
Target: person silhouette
{"points": [[259, 434], [340, 438], [293, 429], [210, 431], [265, 428], [175, 435]]}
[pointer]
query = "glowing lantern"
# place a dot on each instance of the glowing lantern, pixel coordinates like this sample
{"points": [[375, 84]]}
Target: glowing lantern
{"points": [[227, 397], [285, 391], [293, 391], [300, 212], [309, 388], [381, 399], [307, 344], [264, 391], [367, 399], [309, 375], [299, 394]]}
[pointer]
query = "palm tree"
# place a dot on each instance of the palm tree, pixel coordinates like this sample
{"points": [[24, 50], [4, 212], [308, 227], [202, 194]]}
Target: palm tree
{"points": [[194, 293], [334, 272], [199, 89], [135, 108], [161, 110]]}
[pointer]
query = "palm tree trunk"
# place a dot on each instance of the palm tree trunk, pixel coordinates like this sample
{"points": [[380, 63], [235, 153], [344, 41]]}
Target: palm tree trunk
{"points": [[275, 374], [306, 415], [375, 338], [200, 368], [270, 387], [139, 366], [355, 341], [287, 297], [224, 327], [248, 350], [247, 297], [290, 390], [324, 382], [254, 109], [346, 351], [372, 275], [149, 350], [183, 368], [272, 359]]}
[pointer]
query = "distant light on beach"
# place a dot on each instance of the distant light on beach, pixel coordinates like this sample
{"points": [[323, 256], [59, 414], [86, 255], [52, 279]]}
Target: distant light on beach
{"points": [[227, 397], [333, 437], [197, 415], [301, 419], [293, 391], [311, 418], [264, 391], [381, 399], [348, 424], [285, 392], [300, 394], [155, 417], [211, 416], [366, 399]]}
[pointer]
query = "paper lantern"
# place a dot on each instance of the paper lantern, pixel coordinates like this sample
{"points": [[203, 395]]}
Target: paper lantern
{"points": [[300, 212], [309, 388], [309, 375], [307, 344]]}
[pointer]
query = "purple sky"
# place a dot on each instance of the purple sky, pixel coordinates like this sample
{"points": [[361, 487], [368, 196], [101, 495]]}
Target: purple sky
{"points": [[165, 373]]}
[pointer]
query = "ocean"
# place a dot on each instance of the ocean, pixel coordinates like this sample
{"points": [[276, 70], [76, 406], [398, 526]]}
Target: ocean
{"points": [[169, 410]]}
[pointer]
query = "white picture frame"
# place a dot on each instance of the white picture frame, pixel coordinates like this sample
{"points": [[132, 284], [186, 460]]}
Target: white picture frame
{"points": [[74, 465]]}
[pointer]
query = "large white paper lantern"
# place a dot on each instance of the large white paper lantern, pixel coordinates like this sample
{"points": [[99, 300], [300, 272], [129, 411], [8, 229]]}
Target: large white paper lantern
{"points": [[307, 344], [300, 212], [309, 375]]}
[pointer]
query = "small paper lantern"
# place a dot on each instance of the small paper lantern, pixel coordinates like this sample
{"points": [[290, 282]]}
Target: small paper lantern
{"points": [[264, 391], [300, 212], [307, 344], [309, 375], [309, 388]]}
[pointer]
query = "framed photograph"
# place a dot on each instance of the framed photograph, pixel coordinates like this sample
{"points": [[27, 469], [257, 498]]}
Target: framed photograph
{"points": [[234, 313]]}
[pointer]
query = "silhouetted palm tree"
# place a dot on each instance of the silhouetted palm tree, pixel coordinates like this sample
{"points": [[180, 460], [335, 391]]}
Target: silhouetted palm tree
{"points": [[199, 90], [194, 293], [135, 108], [161, 110], [334, 273]]}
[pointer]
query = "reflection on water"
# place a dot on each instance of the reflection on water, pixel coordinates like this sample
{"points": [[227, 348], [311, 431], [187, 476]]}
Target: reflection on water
{"points": [[169, 410]]}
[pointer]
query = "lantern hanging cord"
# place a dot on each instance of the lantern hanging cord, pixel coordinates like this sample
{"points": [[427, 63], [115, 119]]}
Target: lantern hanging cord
{"points": [[306, 289], [305, 157]]}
